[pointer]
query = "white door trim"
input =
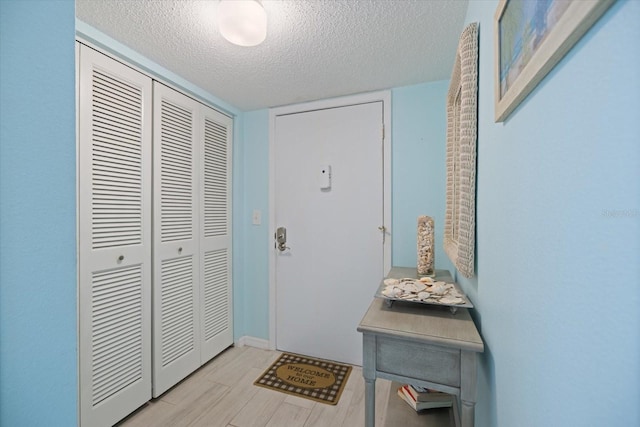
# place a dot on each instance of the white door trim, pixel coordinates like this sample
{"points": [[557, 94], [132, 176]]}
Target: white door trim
{"points": [[385, 97]]}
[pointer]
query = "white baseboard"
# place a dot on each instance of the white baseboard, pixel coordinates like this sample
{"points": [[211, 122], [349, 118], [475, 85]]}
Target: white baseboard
{"points": [[253, 342]]}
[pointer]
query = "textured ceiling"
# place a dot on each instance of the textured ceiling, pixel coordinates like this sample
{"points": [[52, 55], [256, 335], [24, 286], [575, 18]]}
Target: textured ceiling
{"points": [[315, 49]]}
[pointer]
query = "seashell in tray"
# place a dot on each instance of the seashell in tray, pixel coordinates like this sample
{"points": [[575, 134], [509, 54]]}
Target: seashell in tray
{"points": [[388, 282], [423, 295], [451, 300], [427, 280], [438, 288], [454, 293], [392, 292], [413, 287]]}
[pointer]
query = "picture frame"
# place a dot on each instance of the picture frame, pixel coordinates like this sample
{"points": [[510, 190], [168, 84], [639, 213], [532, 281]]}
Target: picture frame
{"points": [[462, 135], [530, 38]]}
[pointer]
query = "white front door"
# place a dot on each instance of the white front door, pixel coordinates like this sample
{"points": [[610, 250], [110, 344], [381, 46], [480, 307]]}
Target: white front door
{"points": [[334, 260]]}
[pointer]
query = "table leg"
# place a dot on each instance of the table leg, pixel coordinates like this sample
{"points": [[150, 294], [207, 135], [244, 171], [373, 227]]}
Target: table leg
{"points": [[468, 413], [370, 402], [468, 388], [369, 374]]}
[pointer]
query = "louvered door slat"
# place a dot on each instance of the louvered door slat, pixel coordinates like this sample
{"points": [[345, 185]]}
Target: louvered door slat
{"points": [[105, 130], [122, 185], [110, 114], [121, 87], [114, 147], [116, 107], [116, 155], [124, 144]]}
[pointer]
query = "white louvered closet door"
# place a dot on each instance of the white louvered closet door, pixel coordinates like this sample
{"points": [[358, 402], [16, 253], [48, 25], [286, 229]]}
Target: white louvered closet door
{"points": [[215, 234], [176, 321], [114, 216]]}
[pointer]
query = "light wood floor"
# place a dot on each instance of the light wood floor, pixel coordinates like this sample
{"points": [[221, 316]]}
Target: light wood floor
{"points": [[221, 393]]}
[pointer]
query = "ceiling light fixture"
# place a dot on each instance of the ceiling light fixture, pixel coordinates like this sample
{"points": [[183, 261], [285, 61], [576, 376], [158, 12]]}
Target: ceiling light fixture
{"points": [[242, 22]]}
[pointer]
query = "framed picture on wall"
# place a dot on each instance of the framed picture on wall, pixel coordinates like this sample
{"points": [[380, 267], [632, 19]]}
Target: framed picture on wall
{"points": [[530, 38]]}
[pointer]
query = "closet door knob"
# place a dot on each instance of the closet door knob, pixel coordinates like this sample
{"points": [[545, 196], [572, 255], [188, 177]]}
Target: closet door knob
{"points": [[180, 250], [121, 257]]}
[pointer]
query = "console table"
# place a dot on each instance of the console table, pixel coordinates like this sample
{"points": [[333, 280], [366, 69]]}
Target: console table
{"points": [[423, 345]]}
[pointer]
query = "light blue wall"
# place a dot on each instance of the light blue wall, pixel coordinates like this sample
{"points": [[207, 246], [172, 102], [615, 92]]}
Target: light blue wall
{"points": [[419, 169], [256, 243], [38, 381], [238, 272], [558, 236]]}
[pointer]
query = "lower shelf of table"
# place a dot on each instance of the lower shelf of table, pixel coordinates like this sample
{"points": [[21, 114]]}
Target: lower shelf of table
{"points": [[400, 414]]}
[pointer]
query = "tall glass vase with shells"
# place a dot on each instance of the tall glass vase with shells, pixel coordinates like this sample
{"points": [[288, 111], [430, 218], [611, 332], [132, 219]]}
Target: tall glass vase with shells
{"points": [[426, 249]]}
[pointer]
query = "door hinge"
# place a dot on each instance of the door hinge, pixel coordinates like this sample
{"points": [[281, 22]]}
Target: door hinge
{"points": [[383, 229]]}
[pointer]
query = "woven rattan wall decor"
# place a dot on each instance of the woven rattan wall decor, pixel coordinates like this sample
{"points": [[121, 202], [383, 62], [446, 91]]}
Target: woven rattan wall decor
{"points": [[462, 131]]}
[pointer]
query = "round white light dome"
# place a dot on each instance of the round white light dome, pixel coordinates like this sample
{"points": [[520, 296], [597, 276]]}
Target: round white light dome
{"points": [[242, 22]]}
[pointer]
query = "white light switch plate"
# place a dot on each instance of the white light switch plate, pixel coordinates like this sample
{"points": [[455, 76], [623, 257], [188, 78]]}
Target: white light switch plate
{"points": [[257, 217]]}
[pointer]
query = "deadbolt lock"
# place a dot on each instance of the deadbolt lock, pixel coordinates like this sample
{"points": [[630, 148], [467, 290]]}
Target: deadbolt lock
{"points": [[281, 239]]}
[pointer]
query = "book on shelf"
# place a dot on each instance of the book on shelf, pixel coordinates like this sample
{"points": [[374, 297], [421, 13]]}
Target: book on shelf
{"points": [[423, 394], [435, 400]]}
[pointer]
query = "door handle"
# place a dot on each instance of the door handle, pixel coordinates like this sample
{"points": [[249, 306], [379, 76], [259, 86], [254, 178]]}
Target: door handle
{"points": [[281, 239]]}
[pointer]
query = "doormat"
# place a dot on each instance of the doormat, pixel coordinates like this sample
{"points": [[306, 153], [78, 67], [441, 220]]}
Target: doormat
{"points": [[302, 376]]}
